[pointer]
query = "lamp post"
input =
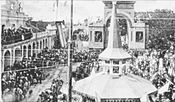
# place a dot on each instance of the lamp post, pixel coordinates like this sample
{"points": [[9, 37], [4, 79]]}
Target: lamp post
{"points": [[70, 57]]}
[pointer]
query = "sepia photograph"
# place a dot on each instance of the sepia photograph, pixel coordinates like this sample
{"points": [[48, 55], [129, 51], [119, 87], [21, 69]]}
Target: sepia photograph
{"points": [[87, 50]]}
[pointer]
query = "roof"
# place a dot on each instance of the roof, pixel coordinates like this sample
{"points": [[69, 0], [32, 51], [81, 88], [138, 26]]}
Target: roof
{"points": [[106, 86], [114, 53], [114, 49]]}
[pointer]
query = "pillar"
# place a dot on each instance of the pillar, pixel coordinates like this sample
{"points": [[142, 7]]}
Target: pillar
{"points": [[2, 61], [130, 37], [36, 48], [111, 67], [49, 42], [11, 57]]}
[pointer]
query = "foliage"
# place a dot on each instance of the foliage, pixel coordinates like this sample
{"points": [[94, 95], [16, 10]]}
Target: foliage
{"points": [[161, 28], [160, 21]]}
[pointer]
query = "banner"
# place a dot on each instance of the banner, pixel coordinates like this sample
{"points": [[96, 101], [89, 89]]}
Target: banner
{"points": [[60, 39]]}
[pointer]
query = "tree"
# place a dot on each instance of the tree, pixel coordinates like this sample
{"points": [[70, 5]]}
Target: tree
{"points": [[160, 21], [161, 29]]}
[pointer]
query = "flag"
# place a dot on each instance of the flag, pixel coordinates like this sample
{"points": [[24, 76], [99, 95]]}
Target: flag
{"points": [[164, 88]]}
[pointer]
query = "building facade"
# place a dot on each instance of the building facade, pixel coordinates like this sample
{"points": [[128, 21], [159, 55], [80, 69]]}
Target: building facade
{"points": [[11, 13], [96, 36], [137, 32]]}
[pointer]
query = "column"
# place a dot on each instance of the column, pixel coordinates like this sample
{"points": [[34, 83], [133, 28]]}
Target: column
{"points": [[111, 67], [31, 49], [13, 52], [11, 56], [50, 42], [2, 61]]}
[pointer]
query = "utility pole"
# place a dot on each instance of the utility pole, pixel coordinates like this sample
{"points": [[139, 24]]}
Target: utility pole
{"points": [[70, 57]]}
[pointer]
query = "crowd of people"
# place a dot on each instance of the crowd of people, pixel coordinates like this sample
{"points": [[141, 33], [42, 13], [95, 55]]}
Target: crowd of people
{"points": [[53, 94], [156, 64], [87, 59], [81, 56], [82, 71], [27, 72], [19, 82], [19, 77], [13, 35]]}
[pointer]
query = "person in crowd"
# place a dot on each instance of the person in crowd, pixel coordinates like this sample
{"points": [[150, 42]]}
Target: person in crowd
{"points": [[53, 94], [13, 35]]}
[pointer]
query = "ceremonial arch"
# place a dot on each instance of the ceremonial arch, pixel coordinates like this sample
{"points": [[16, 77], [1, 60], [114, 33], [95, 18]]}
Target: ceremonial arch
{"points": [[136, 31]]}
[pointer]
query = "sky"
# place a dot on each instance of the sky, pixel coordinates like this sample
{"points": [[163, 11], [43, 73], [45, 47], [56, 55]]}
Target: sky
{"points": [[45, 9]]}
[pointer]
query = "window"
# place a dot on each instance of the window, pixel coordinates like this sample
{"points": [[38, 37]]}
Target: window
{"points": [[124, 61], [115, 69], [98, 36], [115, 62], [139, 36]]}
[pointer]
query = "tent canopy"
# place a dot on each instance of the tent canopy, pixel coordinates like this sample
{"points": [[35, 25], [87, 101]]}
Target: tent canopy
{"points": [[105, 86]]}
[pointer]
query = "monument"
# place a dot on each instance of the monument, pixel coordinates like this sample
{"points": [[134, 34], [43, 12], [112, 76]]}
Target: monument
{"points": [[137, 32]]}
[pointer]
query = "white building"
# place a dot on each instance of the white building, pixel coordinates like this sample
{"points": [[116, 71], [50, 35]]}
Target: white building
{"points": [[11, 13]]}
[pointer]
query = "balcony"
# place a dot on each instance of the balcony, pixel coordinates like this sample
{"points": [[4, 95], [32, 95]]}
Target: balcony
{"points": [[11, 36]]}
